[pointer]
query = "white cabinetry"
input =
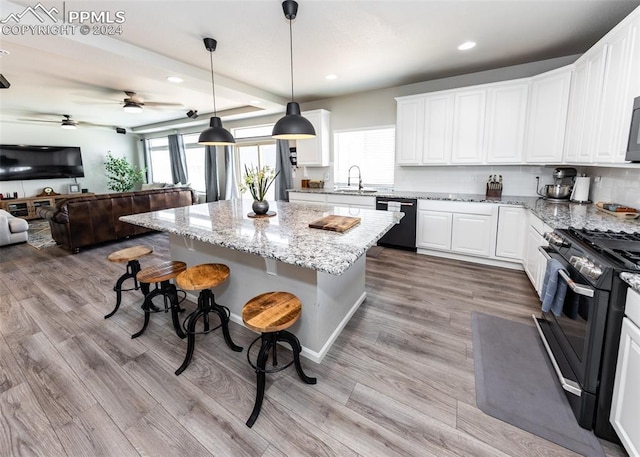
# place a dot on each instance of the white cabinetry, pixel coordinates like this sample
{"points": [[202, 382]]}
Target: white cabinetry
{"points": [[308, 197], [352, 201], [468, 126], [459, 227], [474, 125], [547, 116], [505, 122], [314, 152], [511, 232], [620, 85], [625, 405], [533, 261], [584, 104], [434, 229]]}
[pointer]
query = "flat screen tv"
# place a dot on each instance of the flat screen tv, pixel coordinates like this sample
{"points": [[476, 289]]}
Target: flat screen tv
{"points": [[22, 162]]}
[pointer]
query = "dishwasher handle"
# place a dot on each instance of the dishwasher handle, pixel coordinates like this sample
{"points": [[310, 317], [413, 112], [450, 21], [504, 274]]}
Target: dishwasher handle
{"points": [[386, 202]]}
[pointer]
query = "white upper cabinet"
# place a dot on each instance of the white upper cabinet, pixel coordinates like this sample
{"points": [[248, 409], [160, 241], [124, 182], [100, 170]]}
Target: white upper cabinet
{"points": [[620, 85], [584, 104], [438, 127], [468, 126], [409, 130], [314, 152], [505, 122], [547, 116]]}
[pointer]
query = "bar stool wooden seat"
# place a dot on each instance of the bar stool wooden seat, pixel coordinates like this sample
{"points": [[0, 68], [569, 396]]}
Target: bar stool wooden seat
{"points": [[271, 314], [161, 275], [131, 256], [203, 277]]}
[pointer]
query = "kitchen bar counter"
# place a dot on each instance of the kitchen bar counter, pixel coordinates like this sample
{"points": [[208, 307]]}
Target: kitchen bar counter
{"points": [[324, 269], [555, 214]]}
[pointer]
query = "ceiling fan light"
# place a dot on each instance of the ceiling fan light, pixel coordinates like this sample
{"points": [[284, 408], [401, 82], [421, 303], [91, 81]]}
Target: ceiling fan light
{"points": [[68, 126], [216, 135], [293, 126], [131, 107]]}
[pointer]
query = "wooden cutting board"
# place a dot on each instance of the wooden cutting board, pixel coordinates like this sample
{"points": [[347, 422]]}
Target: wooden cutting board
{"points": [[335, 223], [620, 214]]}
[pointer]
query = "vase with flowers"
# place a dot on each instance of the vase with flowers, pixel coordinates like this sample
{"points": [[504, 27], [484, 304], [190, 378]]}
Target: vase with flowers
{"points": [[257, 181]]}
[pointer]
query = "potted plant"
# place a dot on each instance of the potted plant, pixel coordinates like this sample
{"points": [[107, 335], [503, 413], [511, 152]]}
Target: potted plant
{"points": [[257, 181], [122, 175]]}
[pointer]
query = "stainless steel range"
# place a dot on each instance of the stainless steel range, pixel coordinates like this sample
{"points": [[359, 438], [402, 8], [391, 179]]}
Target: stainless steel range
{"points": [[582, 342]]}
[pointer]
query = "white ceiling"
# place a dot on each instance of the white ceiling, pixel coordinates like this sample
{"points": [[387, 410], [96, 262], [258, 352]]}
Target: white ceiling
{"points": [[368, 44]]}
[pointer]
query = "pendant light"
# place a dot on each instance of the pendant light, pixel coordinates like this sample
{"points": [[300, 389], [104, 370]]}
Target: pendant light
{"points": [[292, 126], [215, 135]]}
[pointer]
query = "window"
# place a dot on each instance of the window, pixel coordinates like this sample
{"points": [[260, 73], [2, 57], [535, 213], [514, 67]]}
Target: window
{"points": [[372, 150], [194, 154], [159, 160], [256, 154]]}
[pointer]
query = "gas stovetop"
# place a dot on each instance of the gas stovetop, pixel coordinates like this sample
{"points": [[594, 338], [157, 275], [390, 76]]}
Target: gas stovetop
{"points": [[621, 247]]}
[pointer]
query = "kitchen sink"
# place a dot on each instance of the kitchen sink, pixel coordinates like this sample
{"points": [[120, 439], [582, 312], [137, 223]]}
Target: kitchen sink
{"points": [[355, 190]]}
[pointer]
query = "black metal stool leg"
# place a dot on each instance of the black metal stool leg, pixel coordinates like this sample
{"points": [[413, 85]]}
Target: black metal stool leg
{"points": [[147, 313], [224, 321], [297, 348], [172, 291], [133, 267], [191, 339], [267, 341]]}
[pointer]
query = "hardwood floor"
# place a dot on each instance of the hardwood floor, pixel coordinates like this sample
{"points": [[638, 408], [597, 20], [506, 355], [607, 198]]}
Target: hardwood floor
{"points": [[399, 380]]}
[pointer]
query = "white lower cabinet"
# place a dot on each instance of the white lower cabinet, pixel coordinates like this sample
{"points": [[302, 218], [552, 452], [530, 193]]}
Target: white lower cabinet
{"points": [[352, 201], [625, 405], [434, 230], [471, 234], [468, 229], [512, 221], [308, 197], [533, 261]]}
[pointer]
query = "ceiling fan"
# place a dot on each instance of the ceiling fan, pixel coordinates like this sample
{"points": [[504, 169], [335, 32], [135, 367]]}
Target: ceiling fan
{"points": [[133, 103], [67, 123]]}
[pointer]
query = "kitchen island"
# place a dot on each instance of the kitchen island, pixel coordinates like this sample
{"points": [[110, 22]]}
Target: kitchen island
{"points": [[325, 269]]}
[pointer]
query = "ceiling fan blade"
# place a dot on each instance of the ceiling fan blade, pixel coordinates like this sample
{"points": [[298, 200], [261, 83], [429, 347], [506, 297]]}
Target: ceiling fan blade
{"points": [[163, 105], [38, 120]]}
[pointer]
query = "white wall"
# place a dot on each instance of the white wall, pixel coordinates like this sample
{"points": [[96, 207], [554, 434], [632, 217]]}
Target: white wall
{"points": [[94, 144]]}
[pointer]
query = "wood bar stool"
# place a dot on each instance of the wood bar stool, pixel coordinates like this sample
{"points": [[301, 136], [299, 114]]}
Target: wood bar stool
{"points": [[271, 314], [161, 275], [131, 256], [203, 278]]}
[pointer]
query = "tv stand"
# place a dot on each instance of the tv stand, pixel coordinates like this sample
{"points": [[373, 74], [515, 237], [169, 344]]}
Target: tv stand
{"points": [[25, 208]]}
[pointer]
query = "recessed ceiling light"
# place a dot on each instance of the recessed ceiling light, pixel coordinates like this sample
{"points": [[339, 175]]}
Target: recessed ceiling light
{"points": [[174, 79], [4, 52], [467, 45], [332, 76]]}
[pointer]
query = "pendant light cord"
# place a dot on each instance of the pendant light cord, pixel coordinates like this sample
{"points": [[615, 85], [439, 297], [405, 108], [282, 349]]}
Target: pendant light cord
{"points": [[213, 86], [291, 55]]}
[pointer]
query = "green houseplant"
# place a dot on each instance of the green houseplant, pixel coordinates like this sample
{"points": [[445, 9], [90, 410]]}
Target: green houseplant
{"points": [[122, 175]]}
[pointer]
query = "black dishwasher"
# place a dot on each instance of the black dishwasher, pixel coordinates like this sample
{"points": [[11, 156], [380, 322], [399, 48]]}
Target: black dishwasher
{"points": [[403, 234]]}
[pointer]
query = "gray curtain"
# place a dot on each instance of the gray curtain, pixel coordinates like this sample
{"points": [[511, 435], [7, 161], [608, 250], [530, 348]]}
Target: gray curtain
{"points": [[284, 180], [147, 160], [178, 159], [230, 188], [211, 174]]}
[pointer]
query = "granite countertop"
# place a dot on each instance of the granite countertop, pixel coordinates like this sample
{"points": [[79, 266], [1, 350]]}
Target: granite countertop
{"points": [[285, 237], [633, 279], [557, 215]]}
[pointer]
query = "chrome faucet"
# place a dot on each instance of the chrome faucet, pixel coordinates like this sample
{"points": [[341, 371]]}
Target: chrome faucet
{"points": [[359, 177]]}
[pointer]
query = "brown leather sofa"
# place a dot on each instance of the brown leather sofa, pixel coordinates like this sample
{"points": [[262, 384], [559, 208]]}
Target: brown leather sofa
{"points": [[85, 221]]}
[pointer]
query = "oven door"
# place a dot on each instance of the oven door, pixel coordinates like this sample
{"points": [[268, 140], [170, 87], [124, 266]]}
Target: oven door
{"points": [[579, 330]]}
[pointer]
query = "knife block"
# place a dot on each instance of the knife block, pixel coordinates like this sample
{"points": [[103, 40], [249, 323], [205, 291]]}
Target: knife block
{"points": [[495, 191]]}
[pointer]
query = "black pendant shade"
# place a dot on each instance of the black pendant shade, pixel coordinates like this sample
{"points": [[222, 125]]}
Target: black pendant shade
{"points": [[215, 135], [292, 126]]}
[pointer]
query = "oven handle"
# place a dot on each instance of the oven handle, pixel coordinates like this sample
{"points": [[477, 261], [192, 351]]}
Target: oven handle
{"points": [[567, 384], [578, 288], [386, 202]]}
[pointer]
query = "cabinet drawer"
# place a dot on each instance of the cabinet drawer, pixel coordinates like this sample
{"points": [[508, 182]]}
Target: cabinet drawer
{"points": [[457, 207], [355, 200], [307, 197]]}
